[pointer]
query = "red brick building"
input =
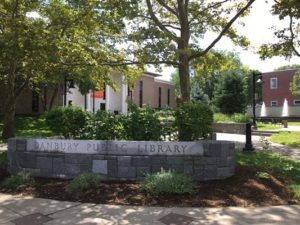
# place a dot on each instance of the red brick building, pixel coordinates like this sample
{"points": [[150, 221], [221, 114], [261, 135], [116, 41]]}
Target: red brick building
{"points": [[276, 91]]}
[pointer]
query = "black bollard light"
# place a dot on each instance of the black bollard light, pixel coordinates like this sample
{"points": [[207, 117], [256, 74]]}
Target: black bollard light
{"points": [[248, 146]]}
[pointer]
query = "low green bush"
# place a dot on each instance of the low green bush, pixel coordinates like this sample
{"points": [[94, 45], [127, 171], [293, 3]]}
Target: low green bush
{"points": [[66, 121], [168, 182], [143, 124], [17, 181], [193, 121], [83, 182], [235, 118], [104, 125], [3, 160]]}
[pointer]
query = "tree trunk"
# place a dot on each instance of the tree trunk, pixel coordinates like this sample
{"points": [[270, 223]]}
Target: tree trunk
{"points": [[184, 76], [10, 104]]}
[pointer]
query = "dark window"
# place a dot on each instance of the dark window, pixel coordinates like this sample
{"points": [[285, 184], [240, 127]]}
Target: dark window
{"points": [[159, 97], [129, 93], [141, 93], [102, 106], [274, 103], [35, 102], [104, 91], [168, 97]]}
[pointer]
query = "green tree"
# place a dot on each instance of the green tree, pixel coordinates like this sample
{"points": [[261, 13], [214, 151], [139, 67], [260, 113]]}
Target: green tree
{"points": [[170, 32], [230, 96], [71, 39], [197, 94], [288, 67], [295, 84], [288, 38]]}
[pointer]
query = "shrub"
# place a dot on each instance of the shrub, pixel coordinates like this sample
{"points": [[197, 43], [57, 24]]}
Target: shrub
{"points": [[83, 182], [66, 121], [143, 124], [3, 160], [168, 182], [193, 121], [235, 118], [104, 125], [229, 95], [20, 180]]}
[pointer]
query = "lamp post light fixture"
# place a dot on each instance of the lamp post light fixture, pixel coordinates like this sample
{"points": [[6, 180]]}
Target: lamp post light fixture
{"points": [[254, 81]]}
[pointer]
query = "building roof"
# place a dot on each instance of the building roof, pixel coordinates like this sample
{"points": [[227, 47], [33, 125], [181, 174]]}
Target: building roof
{"points": [[153, 74], [277, 72]]}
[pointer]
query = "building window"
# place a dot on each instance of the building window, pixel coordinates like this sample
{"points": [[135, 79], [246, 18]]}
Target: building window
{"points": [[141, 93], [273, 83], [35, 102], [274, 103], [297, 102], [168, 100], [159, 97]]}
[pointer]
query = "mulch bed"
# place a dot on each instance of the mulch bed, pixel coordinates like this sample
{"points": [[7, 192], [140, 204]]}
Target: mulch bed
{"points": [[243, 189]]}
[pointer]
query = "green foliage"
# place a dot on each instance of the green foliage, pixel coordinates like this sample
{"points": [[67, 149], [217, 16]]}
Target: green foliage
{"points": [[291, 139], [66, 121], [269, 163], [83, 182], [193, 121], [268, 126], [229, 95], [3, 160], [168, 182], [197, 94], [104, 125], [165, 115], [235, 118], [288, 38], [288, 67], [143, 124], [295, 84], [17, 181]]}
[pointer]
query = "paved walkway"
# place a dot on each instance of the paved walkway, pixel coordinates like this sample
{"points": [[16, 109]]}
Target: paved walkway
{"points": [[34, 211]]}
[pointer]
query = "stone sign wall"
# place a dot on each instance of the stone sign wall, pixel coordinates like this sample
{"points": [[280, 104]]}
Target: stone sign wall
{"points": [[120, 160]]}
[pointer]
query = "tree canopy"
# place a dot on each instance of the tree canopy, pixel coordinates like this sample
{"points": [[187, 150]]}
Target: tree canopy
{"points": [[288, 38], [295, 84], [171, 32]]}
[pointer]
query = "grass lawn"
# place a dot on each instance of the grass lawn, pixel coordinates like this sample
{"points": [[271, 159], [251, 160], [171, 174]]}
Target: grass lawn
{"points": [[29, 126], [267, 163], [268, 126], [289, 138], [294, 123]]}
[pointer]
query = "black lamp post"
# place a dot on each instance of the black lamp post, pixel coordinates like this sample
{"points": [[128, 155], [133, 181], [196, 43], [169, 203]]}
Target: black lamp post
{"points": [[254, 81], [68, 83]]}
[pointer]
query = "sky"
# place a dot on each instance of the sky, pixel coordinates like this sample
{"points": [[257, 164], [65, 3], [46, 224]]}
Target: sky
{"points": [[257, 30]]}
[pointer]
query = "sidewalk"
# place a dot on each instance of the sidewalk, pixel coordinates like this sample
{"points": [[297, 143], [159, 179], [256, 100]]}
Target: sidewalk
{"points": [[33, 211]]}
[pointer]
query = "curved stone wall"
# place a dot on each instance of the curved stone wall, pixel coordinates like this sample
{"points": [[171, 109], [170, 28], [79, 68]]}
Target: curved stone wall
{"points": [[120, 160]]}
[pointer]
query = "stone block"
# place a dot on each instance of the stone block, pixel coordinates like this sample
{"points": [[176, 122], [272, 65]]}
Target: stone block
{"points": [[178, 168], [126, 172], [21, 144], [100, 166], [26, 160], [124, 161], [158, 168], [76, 169], [110, 157], [33, 172], [44, 163], [209, 160], [11, 145], [222, 162], [158, 159], [175, 160], [223, 172], [210, 172], [112, 168], [142, 171], [58, 166], [141, 161], [188, 169], [215, 150], [78, 158], [98, 157]]}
